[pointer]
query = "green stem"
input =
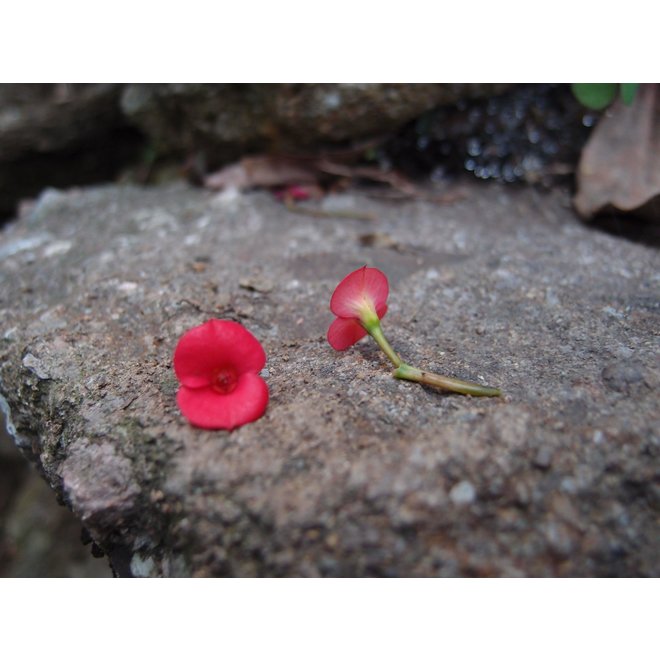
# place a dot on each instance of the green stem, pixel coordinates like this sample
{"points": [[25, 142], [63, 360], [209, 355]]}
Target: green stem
{"points": [[376, 332], [406, 372]]}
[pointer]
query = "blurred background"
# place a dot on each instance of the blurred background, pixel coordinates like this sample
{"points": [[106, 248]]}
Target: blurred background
{"points": [[38, 537], [601, 142]]}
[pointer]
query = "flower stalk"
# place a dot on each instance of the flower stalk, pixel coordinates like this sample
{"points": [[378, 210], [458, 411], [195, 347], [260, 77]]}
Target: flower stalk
{"points": [[377, 333], [406, 372]]}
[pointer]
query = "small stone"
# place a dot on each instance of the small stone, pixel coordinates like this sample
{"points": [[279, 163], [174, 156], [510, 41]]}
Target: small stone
{"points": [[559, 537], [259, 284], [156, 496], [543, 458], [57, 247], [127, 287], [462, 493], [551, 298], [622, 376], [142, 566], [378, 240], [36, 366]]}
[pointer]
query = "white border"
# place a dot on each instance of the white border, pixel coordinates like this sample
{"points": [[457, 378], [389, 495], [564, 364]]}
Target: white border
{"points": [[356, 41], [318, 619]]}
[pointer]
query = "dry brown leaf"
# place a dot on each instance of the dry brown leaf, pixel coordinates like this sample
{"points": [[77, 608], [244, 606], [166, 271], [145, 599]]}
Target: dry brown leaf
{"points": [[263, 172], [620, 165]]}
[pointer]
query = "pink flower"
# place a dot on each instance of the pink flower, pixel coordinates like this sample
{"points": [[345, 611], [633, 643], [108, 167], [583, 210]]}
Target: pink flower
{"points": [[359, 302], [218, 364]]}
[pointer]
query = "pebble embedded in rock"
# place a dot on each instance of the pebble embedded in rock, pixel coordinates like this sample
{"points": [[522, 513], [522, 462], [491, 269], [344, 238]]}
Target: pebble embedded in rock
{"points": [[543, 458], [462, 493], [623, 376], [258, 284]]}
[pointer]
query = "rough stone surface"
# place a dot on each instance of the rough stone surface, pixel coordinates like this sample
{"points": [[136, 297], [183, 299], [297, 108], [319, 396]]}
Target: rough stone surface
{"points": [[350, 472], [225, 120]]}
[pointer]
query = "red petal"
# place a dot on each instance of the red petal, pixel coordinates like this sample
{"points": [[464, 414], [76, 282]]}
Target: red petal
{"points": [[215, 345], [343, 333], [350, 292], [208, 409]]}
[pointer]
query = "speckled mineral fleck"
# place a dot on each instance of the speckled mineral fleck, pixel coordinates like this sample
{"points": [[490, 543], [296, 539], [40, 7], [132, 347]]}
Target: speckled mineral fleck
{"points": [[462, 493]]}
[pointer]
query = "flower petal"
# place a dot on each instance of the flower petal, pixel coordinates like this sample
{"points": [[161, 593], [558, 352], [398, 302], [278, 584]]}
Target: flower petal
{"points": [[208, 409], [214, 345], [369, 283], [343, 333]]}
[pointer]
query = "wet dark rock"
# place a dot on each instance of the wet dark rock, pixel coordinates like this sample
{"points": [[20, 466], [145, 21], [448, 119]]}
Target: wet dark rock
{"points": [[350, 472], [530, 133]]}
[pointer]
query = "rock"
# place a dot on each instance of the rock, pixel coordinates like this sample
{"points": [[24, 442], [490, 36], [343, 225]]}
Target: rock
{"points": [[50, 118], [60, 134], [350, 472], [224, 121]]}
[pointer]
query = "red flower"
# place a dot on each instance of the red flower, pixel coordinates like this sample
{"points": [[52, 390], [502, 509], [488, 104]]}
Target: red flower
{"points": [[218, 364], [359, 302], [295, 193]]}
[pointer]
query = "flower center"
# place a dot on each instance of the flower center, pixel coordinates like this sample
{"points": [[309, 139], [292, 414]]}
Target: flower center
{"points": [[225, 380]]}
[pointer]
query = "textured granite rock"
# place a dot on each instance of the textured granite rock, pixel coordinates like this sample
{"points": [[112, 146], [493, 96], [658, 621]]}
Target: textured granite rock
{"points": [[350, 472]]}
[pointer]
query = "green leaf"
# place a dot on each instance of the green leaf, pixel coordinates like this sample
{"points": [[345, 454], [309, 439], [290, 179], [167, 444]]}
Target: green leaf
{"points": [[595, 95], [628, 91]]}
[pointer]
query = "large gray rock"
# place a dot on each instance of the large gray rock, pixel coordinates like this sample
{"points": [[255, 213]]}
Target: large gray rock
{"points": [[224, 121], [350, 472]]}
